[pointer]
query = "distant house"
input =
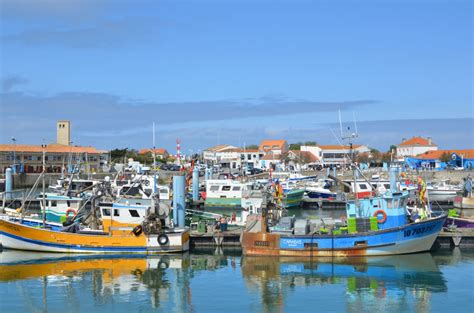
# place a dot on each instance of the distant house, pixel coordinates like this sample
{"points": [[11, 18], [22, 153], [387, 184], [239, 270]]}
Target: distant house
{"points": [[215, 154], [58, 157], [270, 161], [415, 146], [300, 159], [334, 154], [160, 153], [273, 146], [433, 159]]}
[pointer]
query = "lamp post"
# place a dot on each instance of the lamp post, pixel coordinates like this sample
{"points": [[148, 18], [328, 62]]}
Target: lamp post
{"points": [[14, 153]]}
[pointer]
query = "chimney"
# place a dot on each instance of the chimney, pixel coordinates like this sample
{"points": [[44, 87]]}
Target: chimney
{"points": [[429, 141]]}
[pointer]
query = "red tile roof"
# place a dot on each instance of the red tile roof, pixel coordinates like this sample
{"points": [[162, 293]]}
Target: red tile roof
{"points": [[305, 155], [467, 153], [416, 141], [51, 148], [157, 151], [270, 143], [271, 157]]}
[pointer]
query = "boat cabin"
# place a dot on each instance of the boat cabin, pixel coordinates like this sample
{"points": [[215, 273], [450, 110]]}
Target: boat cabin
{"points": [[390, 209], [58, 206], [224, 188], [121, 218]]}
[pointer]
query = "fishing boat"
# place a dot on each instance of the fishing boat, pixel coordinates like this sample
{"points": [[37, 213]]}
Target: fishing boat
{"points": [[140, 187], [224, 193], [320, 190], [378, 225], [464, 202], [108, 228], [443, 192], [455, 220]]}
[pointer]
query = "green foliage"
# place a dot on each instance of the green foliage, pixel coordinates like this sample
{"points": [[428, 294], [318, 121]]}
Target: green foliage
{"points": [[117, 155], [297, 145], [445, 157], [251, 147]]}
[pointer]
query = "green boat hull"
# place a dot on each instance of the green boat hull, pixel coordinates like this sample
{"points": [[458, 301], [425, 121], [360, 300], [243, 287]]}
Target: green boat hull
{"points": [[223, 202], [293, 198]]}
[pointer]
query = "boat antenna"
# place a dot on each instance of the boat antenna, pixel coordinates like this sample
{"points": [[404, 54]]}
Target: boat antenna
{"points": [[340, 122], [356, 134]]}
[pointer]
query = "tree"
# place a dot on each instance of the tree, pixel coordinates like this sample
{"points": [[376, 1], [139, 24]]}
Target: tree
{"points": [[445, 157], [117, 155], [252, 147], [386, 157], [297, 145], [393, 148], [362, 158]]}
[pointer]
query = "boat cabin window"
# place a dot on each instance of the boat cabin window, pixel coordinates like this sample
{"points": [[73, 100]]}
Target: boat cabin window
{"points": [[225, 188], [387, 186], [116, 212], [163, 191], [360, 243], [68, 203], [363, 186], [54, 203], [134, 213], [105, 212], [236, 188], [214, 188], [389, 204], [395, 203]]}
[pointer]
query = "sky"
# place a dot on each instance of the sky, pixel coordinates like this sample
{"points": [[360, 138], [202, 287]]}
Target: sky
{"points": [[236, 72]]}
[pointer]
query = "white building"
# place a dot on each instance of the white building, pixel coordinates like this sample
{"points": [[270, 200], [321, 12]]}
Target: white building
{"points": [[211, 155], [415, 146], [232, 157], [334, 154]]}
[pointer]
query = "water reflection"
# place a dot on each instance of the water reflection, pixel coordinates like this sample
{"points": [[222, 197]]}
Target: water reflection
{"points": [[52, 282], [109, 279], [400, 283]]}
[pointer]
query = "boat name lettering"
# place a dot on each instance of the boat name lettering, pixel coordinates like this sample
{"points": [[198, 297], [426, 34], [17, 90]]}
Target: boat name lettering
{"points": [[418, 231], [292, 243]]}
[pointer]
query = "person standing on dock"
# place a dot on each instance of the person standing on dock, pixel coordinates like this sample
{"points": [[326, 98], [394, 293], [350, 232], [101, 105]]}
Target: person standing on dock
{"points": [[467, 186], [421, 190]]}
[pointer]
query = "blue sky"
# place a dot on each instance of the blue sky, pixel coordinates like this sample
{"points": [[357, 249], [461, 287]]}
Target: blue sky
{"points": [[236, 72]]}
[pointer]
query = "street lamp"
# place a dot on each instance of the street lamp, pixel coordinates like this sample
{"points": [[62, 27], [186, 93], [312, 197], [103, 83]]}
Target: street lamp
{"points": [[14, 153]]}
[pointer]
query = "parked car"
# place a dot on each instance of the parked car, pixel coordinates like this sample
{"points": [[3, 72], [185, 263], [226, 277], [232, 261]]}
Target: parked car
{"points": [[174, 167], [256, 171]]}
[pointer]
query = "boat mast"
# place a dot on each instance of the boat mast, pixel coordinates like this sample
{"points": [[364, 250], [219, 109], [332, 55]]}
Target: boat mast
{"points": [[43, 200]]}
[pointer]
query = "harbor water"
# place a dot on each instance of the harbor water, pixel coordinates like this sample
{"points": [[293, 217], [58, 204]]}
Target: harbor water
{"points": [[226, 281]]}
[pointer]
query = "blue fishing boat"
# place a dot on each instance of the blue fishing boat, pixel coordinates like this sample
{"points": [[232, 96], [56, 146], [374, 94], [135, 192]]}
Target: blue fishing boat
{"points": [[392, 233]]}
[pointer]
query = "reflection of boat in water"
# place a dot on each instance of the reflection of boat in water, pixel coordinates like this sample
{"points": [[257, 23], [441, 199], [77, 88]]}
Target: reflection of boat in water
{"points": [[19, 265], [379, 283]]}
